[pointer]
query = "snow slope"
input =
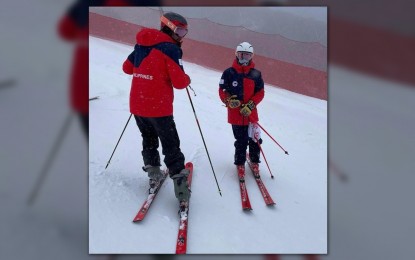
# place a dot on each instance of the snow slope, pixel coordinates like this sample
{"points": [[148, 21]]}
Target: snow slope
{"points": [[298, 223]]}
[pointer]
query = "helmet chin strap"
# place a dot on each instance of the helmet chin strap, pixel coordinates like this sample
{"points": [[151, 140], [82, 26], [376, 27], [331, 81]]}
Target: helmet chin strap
{"points": [[176, 37]]}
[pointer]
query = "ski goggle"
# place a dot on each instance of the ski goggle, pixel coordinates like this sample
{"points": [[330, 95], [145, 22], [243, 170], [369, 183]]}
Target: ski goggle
{"points": [[179, 31], [242, 55]]}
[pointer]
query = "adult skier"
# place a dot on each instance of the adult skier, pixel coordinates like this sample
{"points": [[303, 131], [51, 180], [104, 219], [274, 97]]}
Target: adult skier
{"points": [[157, 68]]}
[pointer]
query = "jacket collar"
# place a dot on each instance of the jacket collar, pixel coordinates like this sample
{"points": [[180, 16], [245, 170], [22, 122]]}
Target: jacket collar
{"points": [[243, 69], [150, 37]]}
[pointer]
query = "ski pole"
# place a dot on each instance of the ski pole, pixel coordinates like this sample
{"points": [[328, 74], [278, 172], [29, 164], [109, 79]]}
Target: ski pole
{"points": [[334, 169], [203, 139], [45, 169], [7, 83], [263, 154], [286, 152], [119, 140]]}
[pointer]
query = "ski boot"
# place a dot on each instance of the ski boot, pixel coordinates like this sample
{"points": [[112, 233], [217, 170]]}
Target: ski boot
{"points": [[181, 189], [155, 175]]}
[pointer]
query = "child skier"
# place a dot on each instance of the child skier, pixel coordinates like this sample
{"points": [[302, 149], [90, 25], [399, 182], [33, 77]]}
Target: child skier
{"points": [[241, 88]]}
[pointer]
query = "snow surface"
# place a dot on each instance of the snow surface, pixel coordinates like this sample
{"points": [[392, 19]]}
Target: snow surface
{"points": [[217, 224]]}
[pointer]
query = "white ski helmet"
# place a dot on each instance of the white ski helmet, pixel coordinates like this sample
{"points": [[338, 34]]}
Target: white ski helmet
{"points": [[244, 53]]}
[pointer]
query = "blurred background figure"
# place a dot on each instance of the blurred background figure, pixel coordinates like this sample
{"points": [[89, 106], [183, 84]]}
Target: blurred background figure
{"points": [[34, 57], [73, 27]]}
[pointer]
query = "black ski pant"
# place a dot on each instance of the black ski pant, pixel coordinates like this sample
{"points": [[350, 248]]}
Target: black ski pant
{"points": [[154, 128], [84, 118], [240, 132]]}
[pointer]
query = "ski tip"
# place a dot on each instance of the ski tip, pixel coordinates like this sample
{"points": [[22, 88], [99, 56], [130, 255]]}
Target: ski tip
{"points": [[272, 176], [188, 165], [286, 152]]}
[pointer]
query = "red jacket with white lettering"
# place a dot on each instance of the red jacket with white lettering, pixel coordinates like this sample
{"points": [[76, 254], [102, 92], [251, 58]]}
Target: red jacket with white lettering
{"points": [[246, 83], [156, 66]]}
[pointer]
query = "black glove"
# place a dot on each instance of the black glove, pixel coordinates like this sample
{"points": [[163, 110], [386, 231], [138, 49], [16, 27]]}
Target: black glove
{"points": [[247, 108], [232, 102]]}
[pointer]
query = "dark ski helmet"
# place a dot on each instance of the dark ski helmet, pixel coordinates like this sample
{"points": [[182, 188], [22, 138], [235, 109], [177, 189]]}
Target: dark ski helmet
{"points": [[174, 25]]}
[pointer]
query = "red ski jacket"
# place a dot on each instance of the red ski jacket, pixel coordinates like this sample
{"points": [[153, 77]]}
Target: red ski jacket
{"points": [[156, 66], [246, 83], [73, 26]]}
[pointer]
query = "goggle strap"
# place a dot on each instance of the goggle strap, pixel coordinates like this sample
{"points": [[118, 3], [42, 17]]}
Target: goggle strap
{"points": [[169, 24]]}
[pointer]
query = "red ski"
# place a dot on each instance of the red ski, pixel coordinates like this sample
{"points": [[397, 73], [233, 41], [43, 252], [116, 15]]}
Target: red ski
{"points": [[267, 198], [246, 205], [181, 244], [147, 203]]}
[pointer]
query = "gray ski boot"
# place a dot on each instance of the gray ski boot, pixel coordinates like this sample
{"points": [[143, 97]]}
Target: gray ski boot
{"points": [[181, 188], [155, 175]]}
